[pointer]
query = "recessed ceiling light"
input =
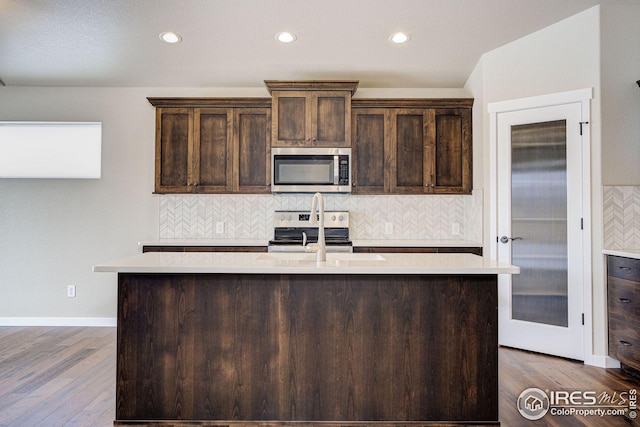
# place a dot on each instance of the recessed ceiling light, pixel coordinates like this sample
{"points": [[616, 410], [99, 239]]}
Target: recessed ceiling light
{"points": [[170, 37], [286, 37], [399, 38]]}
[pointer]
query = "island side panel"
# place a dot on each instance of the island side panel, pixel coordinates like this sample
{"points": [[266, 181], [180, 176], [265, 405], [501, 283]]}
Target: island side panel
{"points": [[389, 348], [190, 347], [307, 348]]}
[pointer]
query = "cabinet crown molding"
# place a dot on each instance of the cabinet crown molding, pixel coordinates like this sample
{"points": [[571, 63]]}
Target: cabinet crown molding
{"points": [[350, 85], [210, 102], [412, 102]]}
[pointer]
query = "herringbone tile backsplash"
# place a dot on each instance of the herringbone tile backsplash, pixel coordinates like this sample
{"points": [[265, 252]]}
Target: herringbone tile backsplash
{"points": [[251, 216], [621, 217]]}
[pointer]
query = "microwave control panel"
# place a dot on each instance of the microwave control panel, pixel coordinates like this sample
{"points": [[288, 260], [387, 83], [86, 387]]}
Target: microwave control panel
{"points": [[343, 164]]}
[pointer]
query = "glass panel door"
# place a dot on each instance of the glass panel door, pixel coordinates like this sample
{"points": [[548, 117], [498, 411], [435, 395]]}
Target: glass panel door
{"points": [[539, 222], [539, 198]]}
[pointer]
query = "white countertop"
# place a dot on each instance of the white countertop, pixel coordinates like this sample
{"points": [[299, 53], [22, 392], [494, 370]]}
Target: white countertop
{"points": [[304, 263], [627, 253], [356, 243]]}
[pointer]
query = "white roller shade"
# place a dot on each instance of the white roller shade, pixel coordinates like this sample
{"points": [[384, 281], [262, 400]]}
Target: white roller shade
{"points": [[50, 150]]}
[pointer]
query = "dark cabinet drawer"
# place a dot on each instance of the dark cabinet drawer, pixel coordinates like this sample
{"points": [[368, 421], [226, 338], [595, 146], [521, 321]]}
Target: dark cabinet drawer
{"points": [[624, 268], [623, 303], [418, 249], [623, 300], [146, 249], [624, 343]]}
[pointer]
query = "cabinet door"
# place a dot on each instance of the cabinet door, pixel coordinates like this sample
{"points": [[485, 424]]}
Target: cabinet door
{"points": [[330, 118], [212, 152], [252, 140], [291, 122], [451, 170], [174, 139], [370, 150], [409, 151], [311, 118]]}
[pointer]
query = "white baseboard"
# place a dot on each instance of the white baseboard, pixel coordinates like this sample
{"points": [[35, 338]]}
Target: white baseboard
{"points": [[601, 361], [58, 321]]}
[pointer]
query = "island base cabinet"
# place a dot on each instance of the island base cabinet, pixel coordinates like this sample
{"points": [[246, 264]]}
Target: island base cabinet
{"points": [[270, 350]]}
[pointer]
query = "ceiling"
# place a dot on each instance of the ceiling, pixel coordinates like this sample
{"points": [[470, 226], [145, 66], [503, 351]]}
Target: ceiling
{"points": [[231, 43]]}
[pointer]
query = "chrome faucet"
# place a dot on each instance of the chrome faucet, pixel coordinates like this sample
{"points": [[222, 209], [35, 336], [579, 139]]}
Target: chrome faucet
{"points": [[317, 204]]}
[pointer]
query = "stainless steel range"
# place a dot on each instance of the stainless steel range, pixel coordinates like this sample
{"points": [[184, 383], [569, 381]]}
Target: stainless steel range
{"points": [[293, 231]]}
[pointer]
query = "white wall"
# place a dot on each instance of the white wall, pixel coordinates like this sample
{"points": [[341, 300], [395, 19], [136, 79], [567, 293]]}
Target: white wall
{"points": [[562, 57], [620, 94], [53, 231]]}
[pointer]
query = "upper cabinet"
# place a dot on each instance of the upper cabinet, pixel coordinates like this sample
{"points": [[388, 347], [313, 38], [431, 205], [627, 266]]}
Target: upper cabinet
{"points": [[399, 146], [371, 150], [212, 145], [311, 113], [451, 171], [174, 141], [412, 146]]}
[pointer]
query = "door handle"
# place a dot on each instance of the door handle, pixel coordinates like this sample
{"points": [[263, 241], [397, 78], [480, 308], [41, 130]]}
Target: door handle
{"points": [[505, 239]]}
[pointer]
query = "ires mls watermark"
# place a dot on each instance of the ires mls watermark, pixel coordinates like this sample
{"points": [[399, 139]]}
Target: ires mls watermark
{"points": [[534, 403]]}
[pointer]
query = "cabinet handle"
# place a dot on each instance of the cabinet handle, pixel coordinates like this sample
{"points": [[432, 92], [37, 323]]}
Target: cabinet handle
{"points": [[625, 268], [625, 343], [624, 300]]}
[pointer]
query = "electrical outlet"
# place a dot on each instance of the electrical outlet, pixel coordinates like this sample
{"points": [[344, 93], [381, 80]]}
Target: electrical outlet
{"points": [[220, 227], [388, 228], [455, 229], [71, 291]]}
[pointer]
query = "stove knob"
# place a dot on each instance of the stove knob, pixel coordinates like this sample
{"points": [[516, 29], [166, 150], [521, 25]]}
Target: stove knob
{"points": [[289, 218], [340, 218], [333, 217], [281, 217]]}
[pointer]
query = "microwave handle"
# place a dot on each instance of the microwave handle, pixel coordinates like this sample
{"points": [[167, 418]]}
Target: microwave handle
{"points": [[336, 170]]}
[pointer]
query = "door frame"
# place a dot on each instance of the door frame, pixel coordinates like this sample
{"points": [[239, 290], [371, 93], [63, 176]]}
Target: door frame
{"points": [[582, 96]]}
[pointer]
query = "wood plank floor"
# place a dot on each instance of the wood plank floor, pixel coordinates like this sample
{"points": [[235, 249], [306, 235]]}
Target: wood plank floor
{"points": [[65, 376]]}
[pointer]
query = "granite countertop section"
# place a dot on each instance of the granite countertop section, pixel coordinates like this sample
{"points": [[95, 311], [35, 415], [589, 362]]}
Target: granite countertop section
{"points": [[305, 263], [627, 253], [413, 243]]}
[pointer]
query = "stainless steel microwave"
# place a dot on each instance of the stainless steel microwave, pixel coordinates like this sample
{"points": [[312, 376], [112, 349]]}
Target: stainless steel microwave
{"points": [[310, 170]]}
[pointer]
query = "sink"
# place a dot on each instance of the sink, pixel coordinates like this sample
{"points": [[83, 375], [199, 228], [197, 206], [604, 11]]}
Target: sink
{"points": [[333, 258]]}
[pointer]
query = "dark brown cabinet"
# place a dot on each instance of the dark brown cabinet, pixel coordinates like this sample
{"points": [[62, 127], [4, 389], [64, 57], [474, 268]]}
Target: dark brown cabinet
{"points": [[211, 150], [399, 146], [187, 248], [212, 147], [276, 350], [623, 301], [451, 167], [411, 150], [314, 113], [174, 135], [251, 150], [475, 250], [371, 150]]}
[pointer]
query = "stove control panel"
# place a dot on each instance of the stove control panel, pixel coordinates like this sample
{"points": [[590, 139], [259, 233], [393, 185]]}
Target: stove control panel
{"points": [[332, 219]]}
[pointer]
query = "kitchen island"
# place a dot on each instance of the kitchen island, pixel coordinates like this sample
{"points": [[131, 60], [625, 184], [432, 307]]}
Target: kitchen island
{"points": [[249, 339]]}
